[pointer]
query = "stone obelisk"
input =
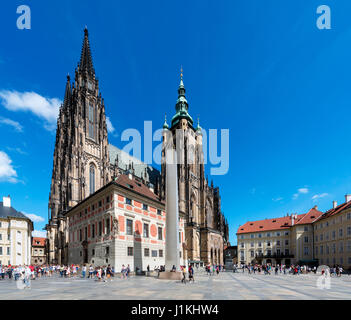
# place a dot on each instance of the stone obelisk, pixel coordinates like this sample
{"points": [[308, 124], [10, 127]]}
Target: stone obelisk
{"points": [[172, 218], [172, 212]]}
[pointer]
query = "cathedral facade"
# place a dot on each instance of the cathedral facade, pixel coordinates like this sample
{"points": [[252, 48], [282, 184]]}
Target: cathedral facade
{"points": [[84, 162]]}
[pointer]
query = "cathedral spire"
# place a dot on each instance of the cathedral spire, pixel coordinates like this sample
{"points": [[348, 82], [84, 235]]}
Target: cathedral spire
{"points": [[68, 92], [198, 128], [182, 104], [181, 89], [86, 61]]}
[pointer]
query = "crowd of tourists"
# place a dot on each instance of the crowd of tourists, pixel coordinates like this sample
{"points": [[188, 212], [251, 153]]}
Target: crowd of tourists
{"points": [[269, 269], [214, 269], [33, 272]]}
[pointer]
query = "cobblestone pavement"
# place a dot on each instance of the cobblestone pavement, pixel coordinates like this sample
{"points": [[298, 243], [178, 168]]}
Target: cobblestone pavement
{"points": [[225, 286]]}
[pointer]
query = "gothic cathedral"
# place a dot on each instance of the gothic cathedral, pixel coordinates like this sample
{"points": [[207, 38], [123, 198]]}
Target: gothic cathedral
{"points": [[84, 162]]}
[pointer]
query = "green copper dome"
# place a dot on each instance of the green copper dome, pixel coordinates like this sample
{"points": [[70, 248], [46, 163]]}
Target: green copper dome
{"points": [[181, 105], [165, 125]]}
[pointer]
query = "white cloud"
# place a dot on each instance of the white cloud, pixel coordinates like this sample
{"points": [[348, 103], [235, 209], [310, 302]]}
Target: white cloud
{"points": [[7, 172], [110, 127], [34, 217], [303, 190], [45, 108], [277, 199], [300, 191], [14, 124], [18, 150], [39, 234], [318, 196]]}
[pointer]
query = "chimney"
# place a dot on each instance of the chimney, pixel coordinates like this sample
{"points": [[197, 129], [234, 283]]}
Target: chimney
{"points": [[335, 204], [315, 207], [151, 187], [6, 201], [130, 174], [292, 219], [347, 197]]}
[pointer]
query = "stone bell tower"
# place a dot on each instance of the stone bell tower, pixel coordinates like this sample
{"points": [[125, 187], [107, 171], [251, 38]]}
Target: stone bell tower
{"points": [[188, 142]]}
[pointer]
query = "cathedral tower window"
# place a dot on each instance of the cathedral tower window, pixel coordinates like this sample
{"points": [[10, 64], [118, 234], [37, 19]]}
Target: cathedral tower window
{"points": [[92, 179], [91, 121]]}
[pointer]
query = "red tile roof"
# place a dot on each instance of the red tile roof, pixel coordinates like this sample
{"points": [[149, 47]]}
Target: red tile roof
{"points": [[279, 223], [139, 187], [310, 217], [40, 240], [336, 210]]}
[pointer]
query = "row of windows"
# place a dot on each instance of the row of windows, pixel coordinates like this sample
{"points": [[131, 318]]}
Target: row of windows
{"points": [[99, 205], [99, 230], [145, 206], [333, 221], [333, 234], [269, 252], [334, 261], [129, 230], [268, 234], [333, 248], [130, 252], [269, 243]]}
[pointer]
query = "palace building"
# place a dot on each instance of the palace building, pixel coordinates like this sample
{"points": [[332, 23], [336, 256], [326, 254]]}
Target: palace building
{"points": [[15, 235], [285, 240], [311, 238], [87, 171]]}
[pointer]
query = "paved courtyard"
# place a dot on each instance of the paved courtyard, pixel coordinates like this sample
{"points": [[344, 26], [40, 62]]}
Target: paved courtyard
{"points": [[225, 286]]}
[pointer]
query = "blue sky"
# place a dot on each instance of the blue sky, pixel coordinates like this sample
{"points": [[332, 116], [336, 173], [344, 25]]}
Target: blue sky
{"points": [[262, 69]]}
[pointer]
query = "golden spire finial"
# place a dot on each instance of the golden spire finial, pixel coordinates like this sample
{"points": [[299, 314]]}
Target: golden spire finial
{"points": [[181, 72]]}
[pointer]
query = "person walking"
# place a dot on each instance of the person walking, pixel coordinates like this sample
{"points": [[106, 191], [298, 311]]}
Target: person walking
{"points": [[91, 271], [109, 273], [84, 270], [191, 274], [26, 275], [123, 272]]}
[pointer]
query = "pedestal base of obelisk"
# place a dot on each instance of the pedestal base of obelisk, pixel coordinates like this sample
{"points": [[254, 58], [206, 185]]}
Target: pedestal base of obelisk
{"points": [[168, 275]]}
